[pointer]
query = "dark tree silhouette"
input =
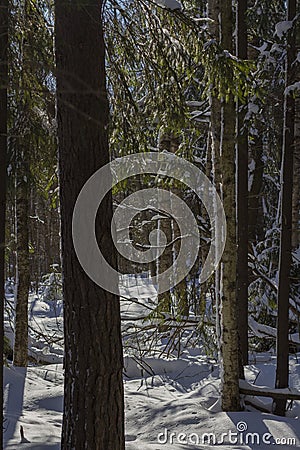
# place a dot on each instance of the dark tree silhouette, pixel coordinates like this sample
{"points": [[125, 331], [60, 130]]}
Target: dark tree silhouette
{"points": [[242, 195], [3, 158], [93, 396], [285, 259]]}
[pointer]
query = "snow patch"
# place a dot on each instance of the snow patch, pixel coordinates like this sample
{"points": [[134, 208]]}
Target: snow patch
{"points": [[169, 4], [282, 28]]}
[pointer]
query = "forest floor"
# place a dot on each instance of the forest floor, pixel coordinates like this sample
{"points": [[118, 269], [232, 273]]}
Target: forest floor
{"points": [[170, 402]]}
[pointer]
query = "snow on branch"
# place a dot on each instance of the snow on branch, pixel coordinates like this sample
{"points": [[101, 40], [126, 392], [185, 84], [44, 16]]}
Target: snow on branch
{"points": [[292, 88], [262, 331], [263, 391], [282, 28], [169, 4]]}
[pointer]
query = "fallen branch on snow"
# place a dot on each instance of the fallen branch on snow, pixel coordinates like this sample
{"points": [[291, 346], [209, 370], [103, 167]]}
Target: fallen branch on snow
{"points": [[263, 391]]}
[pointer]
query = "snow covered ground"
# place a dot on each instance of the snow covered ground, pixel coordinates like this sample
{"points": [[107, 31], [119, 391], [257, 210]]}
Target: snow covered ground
{"points": [[170, 403]]}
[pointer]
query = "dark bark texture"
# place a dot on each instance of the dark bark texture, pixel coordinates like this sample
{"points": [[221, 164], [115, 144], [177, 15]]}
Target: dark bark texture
{"points": [[229, 320], [255, 216], [213, 10], [285, 257], [166, 143], [296, 178], [3, 156], [242, 195], [93, 403], [22, 260]]}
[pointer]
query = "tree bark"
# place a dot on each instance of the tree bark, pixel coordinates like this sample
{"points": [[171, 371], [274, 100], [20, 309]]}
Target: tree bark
{"points": [[215, 134], [242, 194], [180, 290], [93, 394], [3, 164], [255, 216], [22, 260], [285, 257], [296, 188], [229, 323], [165, 224], [23, 148]]}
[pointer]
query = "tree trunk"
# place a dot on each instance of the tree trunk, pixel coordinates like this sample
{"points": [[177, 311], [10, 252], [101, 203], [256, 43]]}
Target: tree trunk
{"points": [[215, 134], [229, 323], [22, 261], [296, 188], [285, 258], [180, 290], [3, 161], [256, 230], [255, 216], [242, 195], [93, 395], [22, 144], [165, 225]]}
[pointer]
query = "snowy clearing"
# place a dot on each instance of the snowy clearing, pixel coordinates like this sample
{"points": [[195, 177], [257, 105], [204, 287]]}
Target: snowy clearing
{"points": [[162, 395]]}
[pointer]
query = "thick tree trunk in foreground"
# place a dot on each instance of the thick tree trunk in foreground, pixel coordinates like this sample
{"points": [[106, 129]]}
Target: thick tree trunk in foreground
{"points": [[3, 156], [229, 323], [93, 397], [22, 257], [23, 144], [242, 195], [285, 257]]}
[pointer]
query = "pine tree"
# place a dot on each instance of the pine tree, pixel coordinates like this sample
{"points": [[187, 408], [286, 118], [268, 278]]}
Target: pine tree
{"points": [[242, 194], [285, 260], [229, 321], [23, 147], [296, 177], [3, 164], [22, 259], [93, 394], [215, 141]]}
